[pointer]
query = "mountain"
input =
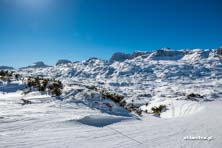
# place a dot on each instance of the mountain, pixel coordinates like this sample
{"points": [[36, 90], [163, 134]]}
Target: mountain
{"points": [[167, 54], [130, 90], [62, 62], [120, 57], [163, 63], [219, 51], [6, 68], [38, 64], [143, 71]]}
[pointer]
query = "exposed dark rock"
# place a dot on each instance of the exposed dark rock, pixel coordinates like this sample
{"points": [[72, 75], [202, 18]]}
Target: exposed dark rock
{"points": [[63, 61], [25, 102], [219, 51], [139, 53], [120, 57], [194, 97]]}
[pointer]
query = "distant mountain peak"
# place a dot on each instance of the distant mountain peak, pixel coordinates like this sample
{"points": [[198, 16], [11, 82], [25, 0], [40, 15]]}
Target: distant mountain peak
{"points": [[219, 51], [6, 68], [63, 61], [120, 56], [38, 64]]}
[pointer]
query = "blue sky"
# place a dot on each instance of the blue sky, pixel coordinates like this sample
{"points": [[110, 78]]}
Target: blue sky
{"points": [[49, 30]]}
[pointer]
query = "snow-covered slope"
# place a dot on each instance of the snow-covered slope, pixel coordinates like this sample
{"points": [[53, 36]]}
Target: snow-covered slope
{"points": [[161, 74], [54, 123], [186, 82]]}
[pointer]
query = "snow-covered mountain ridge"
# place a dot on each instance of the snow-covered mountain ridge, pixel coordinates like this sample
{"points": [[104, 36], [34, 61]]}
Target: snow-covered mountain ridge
{"points": [[101, 100], [145, 62], [142, 78], [146, 76]]}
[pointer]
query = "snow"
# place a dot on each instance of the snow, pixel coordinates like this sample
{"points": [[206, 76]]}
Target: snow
{"points": [[176, 109], [81, 118], [56, 124]]}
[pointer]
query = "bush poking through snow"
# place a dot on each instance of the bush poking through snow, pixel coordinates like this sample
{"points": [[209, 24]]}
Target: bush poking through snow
{"points": [[41, 84], [133, 108], [118, 99], [194, 97], [25, 102], [6, 73], [6, 76], [123, 103], [56, 88], [139, 112], [158, 110], [113, 96]]}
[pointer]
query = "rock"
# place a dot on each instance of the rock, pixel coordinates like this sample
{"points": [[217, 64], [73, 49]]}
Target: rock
{"points": [[219, 51], [120, 57], [25, 102], [63, 61], [194, 97]]}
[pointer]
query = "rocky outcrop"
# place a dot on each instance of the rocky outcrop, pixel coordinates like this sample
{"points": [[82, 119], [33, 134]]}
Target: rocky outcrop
{"points": [[62, 62]]}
